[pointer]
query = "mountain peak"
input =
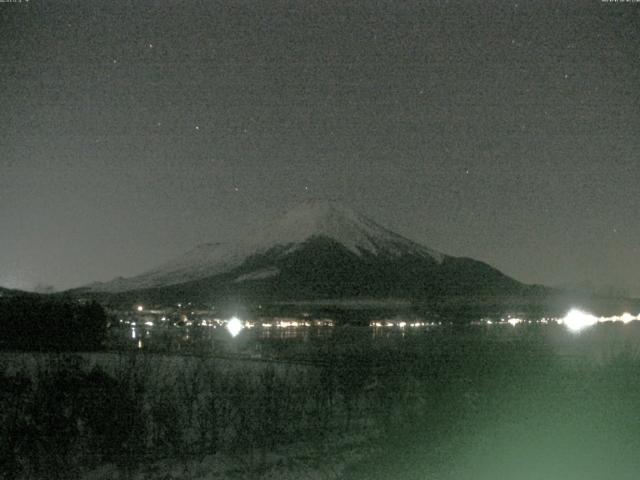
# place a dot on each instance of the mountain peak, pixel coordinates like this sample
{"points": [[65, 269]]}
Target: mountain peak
{"points": [[342, 224], [312, 218], [313, 215], [308, 220]]}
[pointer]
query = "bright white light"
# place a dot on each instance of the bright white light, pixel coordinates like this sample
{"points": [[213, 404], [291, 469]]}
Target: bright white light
{"points": [[140, 308], [234, 326], [133, 333], [514, 321], [149, 324], [577, 320], [627, 317]]}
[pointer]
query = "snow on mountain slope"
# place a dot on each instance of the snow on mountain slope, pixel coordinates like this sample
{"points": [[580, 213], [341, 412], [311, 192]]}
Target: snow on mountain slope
{"points": [[355, 232], [347, 227], [257, 275]]}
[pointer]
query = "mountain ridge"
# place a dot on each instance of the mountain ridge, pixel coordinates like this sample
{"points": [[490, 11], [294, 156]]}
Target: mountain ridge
{"points": [[354, 231], [325, 254], [317, 252]]}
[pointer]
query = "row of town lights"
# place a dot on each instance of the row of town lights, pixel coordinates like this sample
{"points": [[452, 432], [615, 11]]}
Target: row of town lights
{"points": [[575, 320]]}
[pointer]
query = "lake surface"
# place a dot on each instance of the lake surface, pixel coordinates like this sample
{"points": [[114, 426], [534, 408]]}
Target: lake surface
{"points": [[307, 340]]}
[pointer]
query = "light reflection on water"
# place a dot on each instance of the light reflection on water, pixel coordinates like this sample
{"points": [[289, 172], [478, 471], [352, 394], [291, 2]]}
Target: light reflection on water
{"points": [[204, 337], [274, 337]]}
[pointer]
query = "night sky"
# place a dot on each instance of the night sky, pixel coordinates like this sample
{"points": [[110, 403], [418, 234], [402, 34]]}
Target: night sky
{"points": [[504, 131]]}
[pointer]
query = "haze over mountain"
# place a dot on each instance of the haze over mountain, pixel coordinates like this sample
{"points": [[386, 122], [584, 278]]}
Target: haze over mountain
{"points": [[317, 250]]}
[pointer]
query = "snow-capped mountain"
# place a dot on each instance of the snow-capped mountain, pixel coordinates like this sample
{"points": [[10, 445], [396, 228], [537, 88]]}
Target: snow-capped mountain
{"points": [[353, 231], [316, 250]]}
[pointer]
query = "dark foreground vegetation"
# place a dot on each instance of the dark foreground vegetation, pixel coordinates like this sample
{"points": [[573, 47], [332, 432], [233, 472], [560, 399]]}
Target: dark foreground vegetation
{"points": [[425, 403], [31, 322]]}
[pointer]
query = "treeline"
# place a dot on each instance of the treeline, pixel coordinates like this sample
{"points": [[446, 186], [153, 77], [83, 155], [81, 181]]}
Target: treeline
{"points": [[64, 418], [45, 323]]}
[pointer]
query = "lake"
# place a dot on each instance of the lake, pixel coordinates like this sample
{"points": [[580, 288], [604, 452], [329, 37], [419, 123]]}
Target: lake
{"points": [[308, 340]]}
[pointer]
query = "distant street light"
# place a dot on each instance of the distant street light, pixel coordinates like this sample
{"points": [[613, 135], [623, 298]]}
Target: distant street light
{"points": [[235, 326], [577, 320]]}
